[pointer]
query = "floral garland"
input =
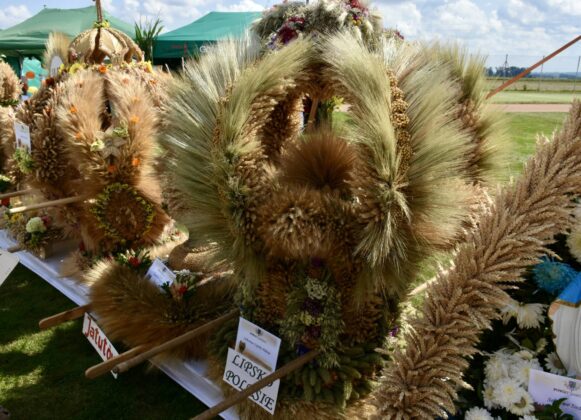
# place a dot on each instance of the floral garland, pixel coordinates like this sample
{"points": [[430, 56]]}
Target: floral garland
{"points": [[33, 234], [23, 160], [314, 318], [106, 199]]}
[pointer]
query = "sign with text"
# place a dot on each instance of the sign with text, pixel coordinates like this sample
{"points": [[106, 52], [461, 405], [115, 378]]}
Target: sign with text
{"points": [[8, 263], [98, 339], [545, 388], [254, 358], [160, 274], [22, 135]]}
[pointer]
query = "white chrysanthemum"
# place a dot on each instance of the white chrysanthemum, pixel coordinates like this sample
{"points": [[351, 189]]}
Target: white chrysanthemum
{"points": [[509, 311], [507, 392], [530, 315], [520, 370], [541, 344], [35, 225], [554, 365], [496, 368], [523, 406], [528, 418], [477, 413], [574, 243], [488, 396], [524, 355]]}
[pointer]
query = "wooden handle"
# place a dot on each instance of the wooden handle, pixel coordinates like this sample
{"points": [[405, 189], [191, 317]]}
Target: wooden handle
{"points": [[108, 365], [257, 386], [54, 203], [422, 287], [16, 193], [58, 319], [175, 342], [313, 111]]}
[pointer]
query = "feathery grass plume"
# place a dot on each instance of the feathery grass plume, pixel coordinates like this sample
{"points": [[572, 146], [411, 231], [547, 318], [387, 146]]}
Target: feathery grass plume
{"points": [[148, 316], [57, 45], [421, 380], [487, 127], [410, 209], [10, 88], [219, 104]]}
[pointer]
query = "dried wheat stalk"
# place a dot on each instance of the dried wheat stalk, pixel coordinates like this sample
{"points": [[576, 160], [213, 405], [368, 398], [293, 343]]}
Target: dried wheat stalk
{"points": [[422, 379]]}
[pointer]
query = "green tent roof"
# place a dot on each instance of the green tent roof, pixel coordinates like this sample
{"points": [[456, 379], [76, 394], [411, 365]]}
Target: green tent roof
{"points": [[29, 37], [187, 40]]}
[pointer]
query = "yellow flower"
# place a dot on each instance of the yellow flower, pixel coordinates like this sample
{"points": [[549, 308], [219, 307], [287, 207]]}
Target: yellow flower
{"points": [[148, 67], [75, 67], [134, 119], [73, 109]]}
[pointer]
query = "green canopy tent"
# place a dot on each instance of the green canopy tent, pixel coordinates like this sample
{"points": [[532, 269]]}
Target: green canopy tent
{"points": [[187, 40], [27, 39]]}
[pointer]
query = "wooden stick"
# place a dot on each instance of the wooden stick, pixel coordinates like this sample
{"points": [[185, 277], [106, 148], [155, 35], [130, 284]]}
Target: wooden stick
{"points": [[54, 203], [16, 193], [313, 111], [108, 365], [257, 386], [58, 319], [175, 342], [531, 68], [15, 248], [422, 287]]}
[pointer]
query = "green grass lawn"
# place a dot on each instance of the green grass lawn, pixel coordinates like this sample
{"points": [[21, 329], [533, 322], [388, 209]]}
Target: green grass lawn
{"points": [[42, 372], [514, 97]]}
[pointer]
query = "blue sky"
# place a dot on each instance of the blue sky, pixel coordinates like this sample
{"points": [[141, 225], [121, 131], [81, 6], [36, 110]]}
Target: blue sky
{"points": [[525, 30]]}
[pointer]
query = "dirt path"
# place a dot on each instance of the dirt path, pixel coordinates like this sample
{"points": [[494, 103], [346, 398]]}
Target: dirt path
{"points": [[533, 107]]}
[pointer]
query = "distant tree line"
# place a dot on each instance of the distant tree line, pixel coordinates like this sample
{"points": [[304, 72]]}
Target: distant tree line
{"points": [[505, 71]]}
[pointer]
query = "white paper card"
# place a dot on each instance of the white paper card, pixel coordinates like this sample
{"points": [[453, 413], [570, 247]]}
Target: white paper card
{"points": [[545, 388], [8, 263], [22, 134], [160, 274], [242, 372], [257, 344], [98, 339], [55, 65]]}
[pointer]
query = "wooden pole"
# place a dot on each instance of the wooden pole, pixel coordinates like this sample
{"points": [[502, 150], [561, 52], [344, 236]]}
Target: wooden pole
{"points": [[313, 111], [531, 68], [175, 342], [16, 193], [53, 321], [422, 287], [257, 386], [108, 365], [45, 204]]}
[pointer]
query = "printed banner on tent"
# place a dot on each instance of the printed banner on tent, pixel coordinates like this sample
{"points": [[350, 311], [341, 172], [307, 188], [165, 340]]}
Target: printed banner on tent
{"points": [[98, 339]]}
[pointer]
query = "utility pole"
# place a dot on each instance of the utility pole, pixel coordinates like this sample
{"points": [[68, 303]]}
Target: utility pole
{"points": [[576, 76], [506, 66], [542, 65]]}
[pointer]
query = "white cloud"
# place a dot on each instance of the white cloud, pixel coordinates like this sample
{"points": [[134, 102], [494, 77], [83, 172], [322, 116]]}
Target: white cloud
{"points": [[525, 13], [11, 15], [403, 16], [571, 7], [464, 18], [242, 6]]}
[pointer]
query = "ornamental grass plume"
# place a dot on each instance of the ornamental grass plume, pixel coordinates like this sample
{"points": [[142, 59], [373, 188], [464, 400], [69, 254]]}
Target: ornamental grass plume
{"points": [[422, 379]]}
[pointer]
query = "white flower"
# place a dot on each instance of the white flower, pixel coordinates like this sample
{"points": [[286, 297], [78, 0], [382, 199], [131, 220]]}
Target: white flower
{"points": [[523, 406], [509, 311], [528, 418], [507, 392], [524, 355], [496, 368], [477, 413], [530, 315], [554, 365], [488, 396], [35, 225], [574, 242], [521, 370], [541, 344]]}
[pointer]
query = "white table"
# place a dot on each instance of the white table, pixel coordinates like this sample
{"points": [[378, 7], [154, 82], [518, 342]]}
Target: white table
{"points": [[190, 375]]}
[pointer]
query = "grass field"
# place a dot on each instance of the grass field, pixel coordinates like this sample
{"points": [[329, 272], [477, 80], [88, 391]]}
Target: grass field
{"points": [[518, 97], [525, 84], [41, 372]]}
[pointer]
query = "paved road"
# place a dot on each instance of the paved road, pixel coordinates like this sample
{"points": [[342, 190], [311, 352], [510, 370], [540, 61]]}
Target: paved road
{"points": [[534, 107]]}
